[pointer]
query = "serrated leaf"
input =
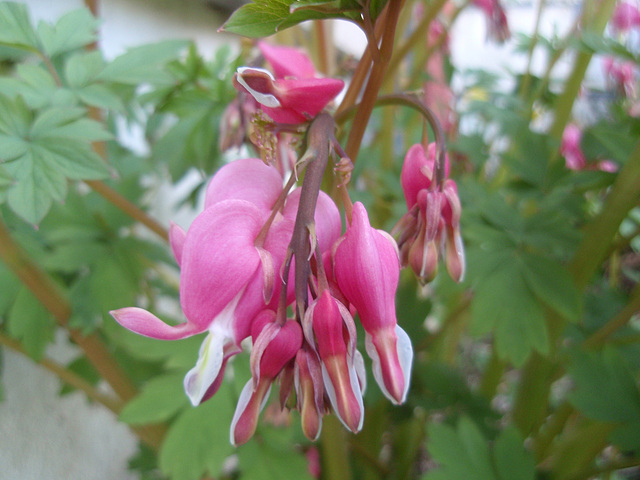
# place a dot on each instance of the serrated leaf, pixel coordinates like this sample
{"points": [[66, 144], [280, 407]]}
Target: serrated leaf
{"points": [[15, 117], [511, 459], [605, 390], [262, 18], [552, 284], [504, 304], [74, 159], [83, 67], [38, 183], [11, 147], [274, 457], [143, 64], [100, 96], [198, 440], [462, 452], [74, 30], [52, 118], [160, 399], [15, 26], [30, 323]]}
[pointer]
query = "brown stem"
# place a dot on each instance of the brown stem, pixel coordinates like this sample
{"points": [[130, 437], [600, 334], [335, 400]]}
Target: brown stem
{"points": [[127, 207], [375, 81], [318, 136]]}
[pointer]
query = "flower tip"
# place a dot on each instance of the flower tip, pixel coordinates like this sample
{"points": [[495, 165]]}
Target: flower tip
{"points": [[392, 356]]}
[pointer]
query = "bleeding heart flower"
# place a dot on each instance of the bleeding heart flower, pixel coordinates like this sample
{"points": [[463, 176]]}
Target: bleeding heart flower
{"points": [[367, 269], [274, 345]]}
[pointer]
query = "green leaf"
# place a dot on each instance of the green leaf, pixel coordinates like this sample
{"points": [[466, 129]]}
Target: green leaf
{"points": [[606, 390], [74, 159], [504, 304], [100, 96], [198, 440], [72, 31], [462, 452], [11, 147], [15, 26], [82, 68], [9, 286], [30, 323], [273, 457], [160, 399], [143, 64], [511, 459], [38, 184], [15, 117], [262, 18], [552, 284]]}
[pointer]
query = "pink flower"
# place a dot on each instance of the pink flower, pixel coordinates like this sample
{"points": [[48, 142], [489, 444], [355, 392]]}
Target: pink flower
{"points": [[497, 24], [431, 227], [570, 148], [367, 269], [274, 346], [219, 254], [625, 16], [621, 76], [326, 322], [310, 392], [295, 94], [574, 156]]}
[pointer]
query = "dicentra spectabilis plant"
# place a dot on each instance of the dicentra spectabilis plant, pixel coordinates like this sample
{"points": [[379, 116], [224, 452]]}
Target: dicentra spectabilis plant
{"points": [[396, 268]]}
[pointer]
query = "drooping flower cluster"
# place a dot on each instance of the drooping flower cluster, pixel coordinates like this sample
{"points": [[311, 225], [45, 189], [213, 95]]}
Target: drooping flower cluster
{"points": [[230, 287], [431, 227]]}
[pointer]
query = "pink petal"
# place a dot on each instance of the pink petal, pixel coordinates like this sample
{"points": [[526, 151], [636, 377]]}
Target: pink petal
{"points": [[250, 404], [392, 356], [367, 270], [326, 217], [287, 61], [417, 173], [177, 237], [219, 259], [245, 179], [145, 323]]}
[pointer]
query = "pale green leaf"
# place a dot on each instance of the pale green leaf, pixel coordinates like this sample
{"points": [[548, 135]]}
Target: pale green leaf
{"points": [[15, 26], [74, 159], [143, 64], [72, 31], [30, 323], [82, 68], [11, 147], [38, 183], [15, 117], [160, 399], [197, 442], [100, 96], [52, 118]]}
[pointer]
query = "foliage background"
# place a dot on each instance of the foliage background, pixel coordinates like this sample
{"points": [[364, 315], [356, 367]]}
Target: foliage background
{"points": [[494, 336]]}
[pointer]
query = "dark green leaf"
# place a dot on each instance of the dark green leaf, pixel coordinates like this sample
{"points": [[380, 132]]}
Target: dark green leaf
{"points": [[273, 457], [262, 18], [504, 304], [552, 284], [511, 459], [607, 391], [160, 399], [462, 452], [30, 323]]}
